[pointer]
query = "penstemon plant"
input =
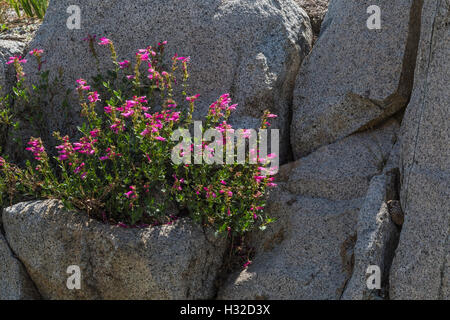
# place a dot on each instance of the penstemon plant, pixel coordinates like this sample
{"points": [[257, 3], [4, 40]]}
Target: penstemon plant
{"points": [[21, 108], [120, 170]]}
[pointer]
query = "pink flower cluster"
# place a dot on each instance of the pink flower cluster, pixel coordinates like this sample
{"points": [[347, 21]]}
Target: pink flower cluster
{"points": [[36, 52], [93, 97], [111, 154], [157, 121], [65, 150], [79, 168], [128, 109], [221, 105], [14, 59], [82, 85], [178, 182], [124, 64], [85, 146], [117, 126], [132, 194], [37, 148], [193, 98], [144, 54]]}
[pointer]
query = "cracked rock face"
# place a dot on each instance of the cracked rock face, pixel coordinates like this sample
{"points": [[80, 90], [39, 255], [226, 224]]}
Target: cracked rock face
{"points": [[15, 283], [316, 10], [249, 48], [377, 237], [421, 266], [343, 170], [354, 77], [176, 261], [308, 252]]}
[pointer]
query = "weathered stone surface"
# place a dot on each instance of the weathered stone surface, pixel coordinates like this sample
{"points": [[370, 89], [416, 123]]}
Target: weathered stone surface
{"points": [[421, 265], [343, 170], [377, 238], [313, 260], [250, 48], [316, 10], [307, 253], [354, 77], [169, 262], [15, 283]]}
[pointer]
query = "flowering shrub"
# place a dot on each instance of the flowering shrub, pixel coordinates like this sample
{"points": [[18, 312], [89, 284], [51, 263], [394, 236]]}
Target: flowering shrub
{"points": [[120, 170]]}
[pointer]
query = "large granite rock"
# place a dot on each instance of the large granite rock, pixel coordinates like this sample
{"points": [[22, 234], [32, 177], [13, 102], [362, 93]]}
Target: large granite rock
{"points": [[176, 261], [249, 48], [307, 253], [421, 265], [354, 77], [15, 284]]}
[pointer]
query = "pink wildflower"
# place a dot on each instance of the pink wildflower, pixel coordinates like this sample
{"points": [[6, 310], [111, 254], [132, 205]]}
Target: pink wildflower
{"points": [[93, 97], [78, 169], [132, 193], [16, 59], [142, 55], [184, 59], [65, 150], [111, 155], [37, 148], [193, 98], [259, 178], [108, 109], [124, 64], [145, 132], [85, 146], [82, 85], [128, 113], [94, 133], [36, 52], [104, 41], [117, 126], [178, 182]]}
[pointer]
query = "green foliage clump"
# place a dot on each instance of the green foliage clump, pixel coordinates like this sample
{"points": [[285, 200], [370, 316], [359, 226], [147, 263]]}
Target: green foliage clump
{"points": [[32, 8]]}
